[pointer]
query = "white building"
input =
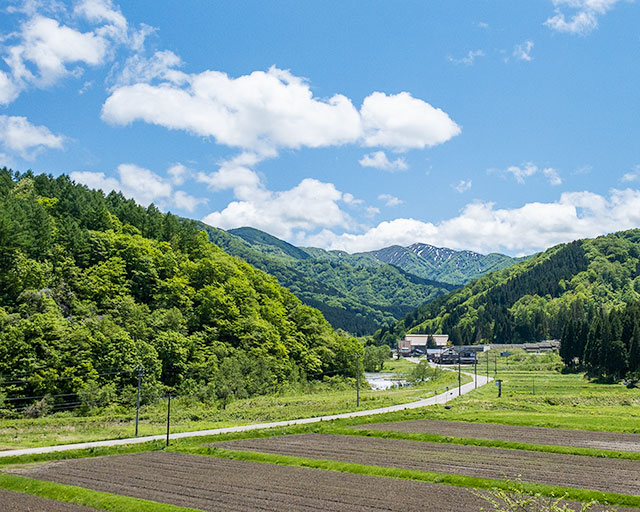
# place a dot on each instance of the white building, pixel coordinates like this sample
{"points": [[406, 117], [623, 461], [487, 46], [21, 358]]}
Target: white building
{"points": [[417, 343]]}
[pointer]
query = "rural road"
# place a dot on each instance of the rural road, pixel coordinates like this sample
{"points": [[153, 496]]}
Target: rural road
{"points": [[437, 399]]}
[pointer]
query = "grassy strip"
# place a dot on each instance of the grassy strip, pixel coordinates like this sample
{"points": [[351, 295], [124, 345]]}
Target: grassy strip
{"points": [[98, 451], [86, 497], [607, 498], [493, 443]]}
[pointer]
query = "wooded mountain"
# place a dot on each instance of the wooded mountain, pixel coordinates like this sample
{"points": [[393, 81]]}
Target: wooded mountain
{"points": [[357, 294], [442, 264], [92, 287], [535, 299]]}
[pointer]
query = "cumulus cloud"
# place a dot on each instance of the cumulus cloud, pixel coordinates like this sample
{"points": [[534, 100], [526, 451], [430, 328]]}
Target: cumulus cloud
{"points": [[141, 184], [468, 59], [521, 172], [523, 51], [584, 18], [484, 228], [18, 135], [401, 122], [462, 186], [390, 200], [264, 111], [379, 160], [49, 45], [306, 207]]}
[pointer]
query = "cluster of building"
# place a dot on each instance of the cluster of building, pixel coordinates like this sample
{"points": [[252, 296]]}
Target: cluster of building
{"points": [[438, 348]]}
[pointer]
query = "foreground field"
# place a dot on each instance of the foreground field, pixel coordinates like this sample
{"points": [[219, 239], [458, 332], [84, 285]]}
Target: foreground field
{"points": [[607, 475], [19, 502], [212, 484], [189, 414], [532, 435]]}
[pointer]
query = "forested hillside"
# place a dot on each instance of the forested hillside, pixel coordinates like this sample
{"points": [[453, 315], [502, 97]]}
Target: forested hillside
{"points": [[357, 294], [92, 287], [536, 299]]}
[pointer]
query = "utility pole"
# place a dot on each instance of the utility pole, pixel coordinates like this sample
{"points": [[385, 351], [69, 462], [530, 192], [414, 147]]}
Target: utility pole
{"points": [[357, 379], [487, 366], [459, 376], [495, 364], [475, 368], [140, 375], [168, 416]]}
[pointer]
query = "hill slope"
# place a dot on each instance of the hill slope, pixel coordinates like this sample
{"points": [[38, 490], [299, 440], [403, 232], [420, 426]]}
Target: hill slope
{"points": [[354, 294], [535, 299], [92, 287]]}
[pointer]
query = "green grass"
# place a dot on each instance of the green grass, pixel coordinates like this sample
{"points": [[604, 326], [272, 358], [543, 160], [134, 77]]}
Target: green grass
{"points": [[86, 497], [189, 414], [424, 476], [548, 399]]}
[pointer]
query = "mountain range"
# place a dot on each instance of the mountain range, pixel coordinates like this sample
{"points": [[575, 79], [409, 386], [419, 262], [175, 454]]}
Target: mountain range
{"points": [[362, 291], [537, 298]]}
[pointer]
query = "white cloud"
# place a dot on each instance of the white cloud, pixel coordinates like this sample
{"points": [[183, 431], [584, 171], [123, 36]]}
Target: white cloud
{"points": [[462, 186], [19, 136], [179, 174], [633, 175], [552, 175], [390, 200], [585, 16], [264, 111], [306, 207], [469, 59], [529, 169], [351, 200], [523, 51], [483, 227], [141, 184], [379, 160], [371, 211], [49, 46], [401, 122]]}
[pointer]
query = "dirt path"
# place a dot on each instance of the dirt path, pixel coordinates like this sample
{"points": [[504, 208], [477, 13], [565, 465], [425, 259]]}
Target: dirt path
{"points": [[601, 474], [534, 435]]}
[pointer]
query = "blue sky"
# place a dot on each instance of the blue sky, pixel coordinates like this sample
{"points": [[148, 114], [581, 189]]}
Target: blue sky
{"points": [[486, 125]]}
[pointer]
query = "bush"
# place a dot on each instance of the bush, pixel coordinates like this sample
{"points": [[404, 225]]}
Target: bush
{"points": [[515, 499], [39, 408]]}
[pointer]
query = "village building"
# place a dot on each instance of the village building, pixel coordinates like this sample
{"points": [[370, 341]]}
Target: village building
{"points": [[416, 344]]}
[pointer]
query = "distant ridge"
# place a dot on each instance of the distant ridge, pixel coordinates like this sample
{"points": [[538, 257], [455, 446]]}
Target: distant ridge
{"points": [[357, 292]]}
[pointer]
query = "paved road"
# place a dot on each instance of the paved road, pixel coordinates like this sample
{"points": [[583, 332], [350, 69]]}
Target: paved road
{"points": [[438, 399]]}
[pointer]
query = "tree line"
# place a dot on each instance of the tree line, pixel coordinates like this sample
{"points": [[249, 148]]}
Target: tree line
{"points": [[91, 282]]}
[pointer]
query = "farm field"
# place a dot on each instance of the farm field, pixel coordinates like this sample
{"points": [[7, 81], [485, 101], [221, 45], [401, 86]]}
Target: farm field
{"points": [[532, 435], [18, 502], [212, 484], [217, 484], [581, 472], [546, 398]]}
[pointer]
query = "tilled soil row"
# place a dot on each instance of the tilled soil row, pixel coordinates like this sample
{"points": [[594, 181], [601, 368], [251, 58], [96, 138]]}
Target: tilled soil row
{"points": [[601, 474], [214, 484], [17, 502], [533, 435]]}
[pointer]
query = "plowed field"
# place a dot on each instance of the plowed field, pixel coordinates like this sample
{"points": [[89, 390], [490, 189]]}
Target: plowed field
{"points": [[534, 435], [18, 502], [620, 476], [214, 484]]}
